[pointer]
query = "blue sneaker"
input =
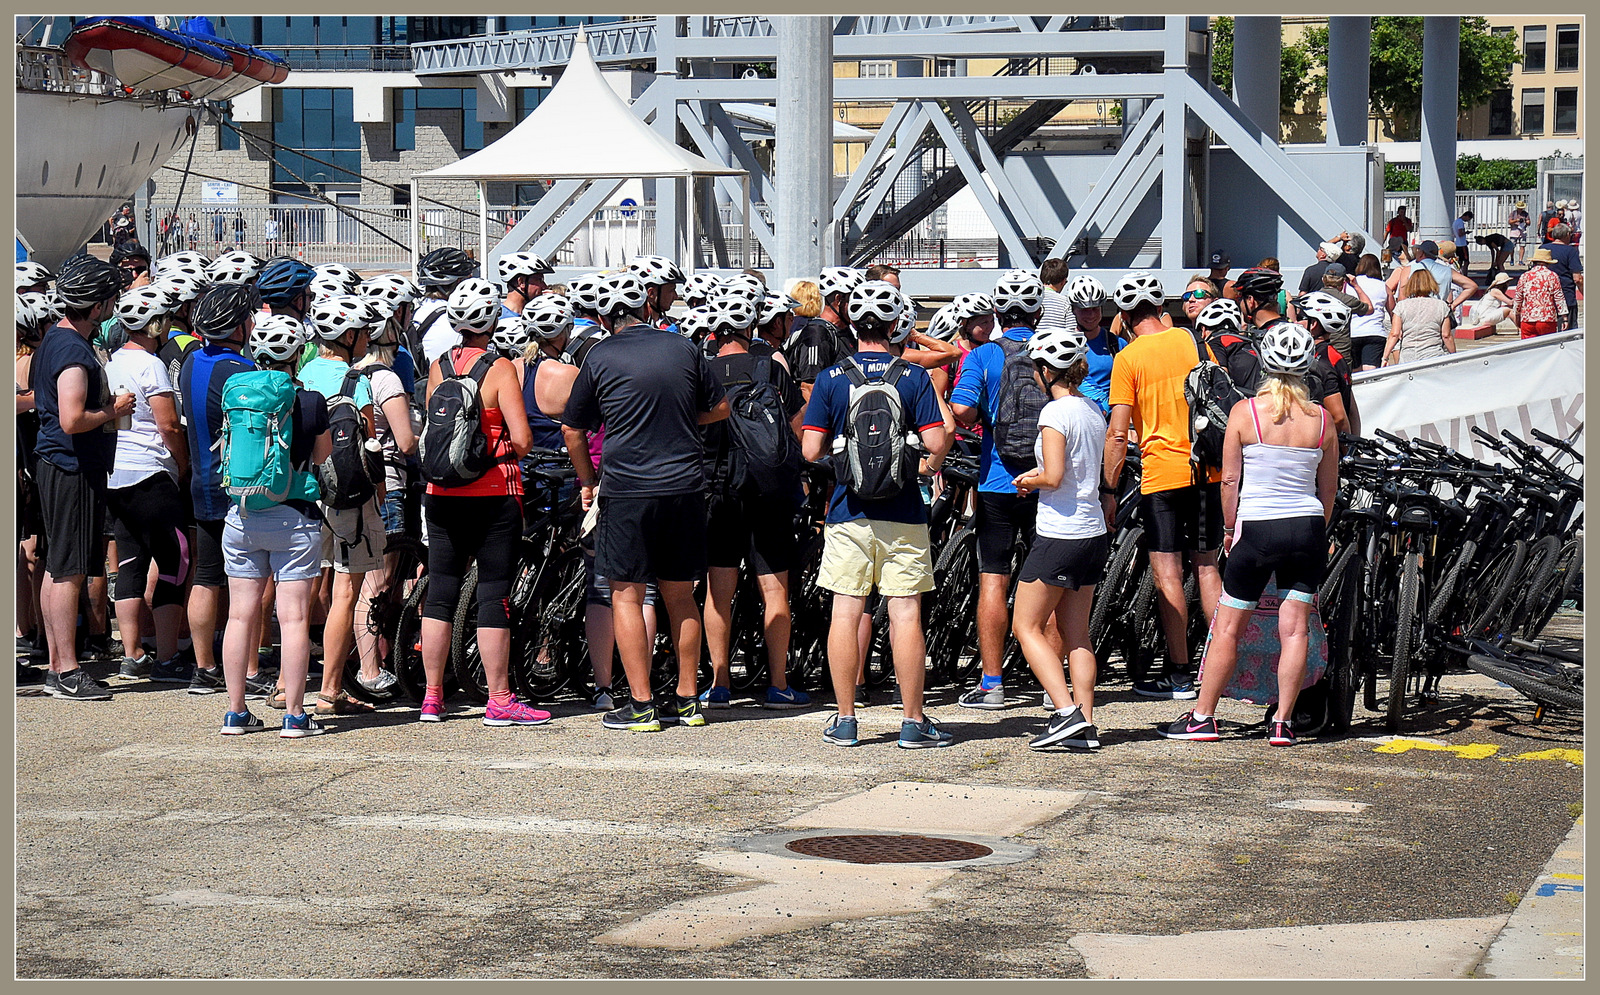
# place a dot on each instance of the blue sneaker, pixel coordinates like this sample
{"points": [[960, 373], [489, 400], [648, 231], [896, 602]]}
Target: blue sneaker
{"points": [[239, 723], [841, 731], [786, 698], [715, 697], [923, 735], [300, 726], [1171, 687]]}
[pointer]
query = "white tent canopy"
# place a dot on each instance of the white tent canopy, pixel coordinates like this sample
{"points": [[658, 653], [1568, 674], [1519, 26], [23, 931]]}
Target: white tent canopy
{"points": [[583, 130]]}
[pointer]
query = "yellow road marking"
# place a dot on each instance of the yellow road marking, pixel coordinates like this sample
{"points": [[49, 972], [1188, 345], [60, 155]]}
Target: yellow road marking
{"points": [[1479, 751], [1570, 756], [1567, 877]]}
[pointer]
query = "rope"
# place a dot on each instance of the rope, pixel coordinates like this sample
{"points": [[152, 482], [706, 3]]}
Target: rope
{"points": [[194, 140]]}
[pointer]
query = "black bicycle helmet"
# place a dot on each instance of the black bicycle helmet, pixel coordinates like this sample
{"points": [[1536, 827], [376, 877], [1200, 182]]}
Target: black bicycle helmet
{"points": [[444, 267], [224, 308], [1262, 284], [282, 279], [129, 250], [86, 281]]}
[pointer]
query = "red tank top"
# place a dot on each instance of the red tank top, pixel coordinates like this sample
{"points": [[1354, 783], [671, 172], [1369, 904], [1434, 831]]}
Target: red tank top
{"points": [[505, 477]]}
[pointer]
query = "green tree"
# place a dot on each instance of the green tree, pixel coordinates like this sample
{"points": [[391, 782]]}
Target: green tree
{"points": [[1297, 81], [1396, 60]]}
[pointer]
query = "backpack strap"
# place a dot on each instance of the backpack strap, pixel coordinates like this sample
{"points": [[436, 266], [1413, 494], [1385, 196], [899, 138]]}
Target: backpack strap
{"points": [[352, 376], [446, 367], [480, 367], [852, 371], [895, 370]]}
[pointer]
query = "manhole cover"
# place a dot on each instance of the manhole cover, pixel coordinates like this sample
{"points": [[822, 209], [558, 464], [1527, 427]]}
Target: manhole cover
{"points": [[889, 849]]}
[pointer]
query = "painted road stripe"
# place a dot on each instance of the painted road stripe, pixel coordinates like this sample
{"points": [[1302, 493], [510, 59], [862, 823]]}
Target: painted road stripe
{"points": [[1475, 751]]}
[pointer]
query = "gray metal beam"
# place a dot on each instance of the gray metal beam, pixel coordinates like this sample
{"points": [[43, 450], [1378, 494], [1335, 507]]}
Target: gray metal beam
{"points": [[1441, 57], [557, 197], [1077, 87], [1080, 44], [1174, 176], [574, 217], [869, 159], [729, 185], [1349, 89], [1014, 205], [760, 182], [1005, 224], [1115, 169], [804, 147], [905, 145]]}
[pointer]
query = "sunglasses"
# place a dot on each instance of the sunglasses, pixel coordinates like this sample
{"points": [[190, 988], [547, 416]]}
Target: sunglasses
{"points": [[1197, 295]]}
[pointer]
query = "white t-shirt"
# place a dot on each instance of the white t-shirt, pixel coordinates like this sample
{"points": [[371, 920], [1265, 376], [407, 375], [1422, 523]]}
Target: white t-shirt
{"points": [[1073, 511], [1376, 324], [141, 452], [385, 386], [439, 337]]}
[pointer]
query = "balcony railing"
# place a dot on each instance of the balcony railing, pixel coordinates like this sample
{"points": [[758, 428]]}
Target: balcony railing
{"points": [[375, 58]]}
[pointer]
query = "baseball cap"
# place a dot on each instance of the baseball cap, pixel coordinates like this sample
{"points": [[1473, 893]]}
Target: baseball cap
{"points": [[1334, 269], [1220, 259], [1430, 248]]}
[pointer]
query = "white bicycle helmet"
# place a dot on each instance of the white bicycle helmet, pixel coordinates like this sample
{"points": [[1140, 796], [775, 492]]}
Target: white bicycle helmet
{"points": [[336, 316], [277, 337], [1086, 292], [699, 288], [235, 266], [584, 292], [729, 312], [183, 257], [656, 271], [876, 300], [1286, 348], [972, 306], [696, 322], [339, 271], [1328, 310], [1138, 288], [1018, 292], [391, 287], [943, 324], [186, 270], [473, 307], [181, 288], [1059, 347], [1220, 315], [751, 285], [841, 280], [36, 310], [774, 305], [908, 318], [137, 308], [326, 286], [515, 264], [619, 292], [549, 316], [32, 274], [510, 336]]}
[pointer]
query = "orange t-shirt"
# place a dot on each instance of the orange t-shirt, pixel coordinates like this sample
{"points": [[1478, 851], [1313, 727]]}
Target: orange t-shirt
{"points": [[1148, 375], [505, 477]]}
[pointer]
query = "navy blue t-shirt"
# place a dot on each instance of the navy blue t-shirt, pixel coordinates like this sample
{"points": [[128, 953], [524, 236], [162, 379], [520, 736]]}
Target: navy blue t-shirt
{"points": [[85, 452], [1567, 262], [827, 412], [201, 377]]}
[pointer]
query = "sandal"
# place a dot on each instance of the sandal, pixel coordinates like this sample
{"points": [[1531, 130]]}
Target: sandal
{"points": [[278, 700], [341, 704]]}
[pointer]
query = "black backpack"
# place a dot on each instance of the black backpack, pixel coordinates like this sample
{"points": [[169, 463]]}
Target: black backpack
{"points": [[876, 461], [1211, 394], [453, 448], [763, 456], [349, 476], [1018, 403]]}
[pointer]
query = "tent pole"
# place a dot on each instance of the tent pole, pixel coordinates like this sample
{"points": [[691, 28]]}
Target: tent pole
{"points": [[483, 228], [744, 234], [691, 229], [416, 230]]}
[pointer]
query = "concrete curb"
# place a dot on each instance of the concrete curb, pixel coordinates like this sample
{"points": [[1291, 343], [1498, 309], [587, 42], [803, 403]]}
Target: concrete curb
{"points": [[1543, 938]]}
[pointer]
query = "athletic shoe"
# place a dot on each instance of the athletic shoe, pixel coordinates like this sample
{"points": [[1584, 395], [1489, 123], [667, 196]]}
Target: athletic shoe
{"points": [[715, 697], [922, 735], [51, 679], [174, 671], [134, 668], [603, 699], [681, 710], [1280, 733], [29, 675], [1049, 705], [992, 699], [207, 681], [29, 647], [1188, 727], [260, 687], [96, 648], [1087, 738], [862, 698], [77, 685], [514, 713], [382, 684], [632, 718], [786, 698], [841, 731], [1171, 687], [301, 726], [1059, 727], [239, 723], [895, 700], [432, 711]]}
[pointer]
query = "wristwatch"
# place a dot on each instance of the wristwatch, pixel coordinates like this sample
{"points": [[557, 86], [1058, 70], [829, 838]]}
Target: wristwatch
{"points": [[1107, 490]]}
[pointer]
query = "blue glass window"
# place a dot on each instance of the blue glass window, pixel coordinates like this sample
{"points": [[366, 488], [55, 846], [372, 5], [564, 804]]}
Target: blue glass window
{"points": [[462, 100], [320, 122], [529, 97]]}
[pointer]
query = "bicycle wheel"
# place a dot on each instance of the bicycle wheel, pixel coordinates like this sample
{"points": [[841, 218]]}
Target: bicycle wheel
{"points": [[548, 644], [1440, 604], [465, 660], [1343, 634], [953, 625], [1552, 688], [808, 631], [748, 649], [1546, 600], [1407, 637], [1143, 637], [406, 646], [1111, 597], [1333, 583], [879, 670], [1536, 577], [1502, 572]]}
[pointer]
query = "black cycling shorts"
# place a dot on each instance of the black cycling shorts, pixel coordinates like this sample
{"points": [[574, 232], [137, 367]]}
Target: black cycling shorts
{"points": [[1295, 549], [1174, 521], [1369, 352], [1068, 563], [755, 530], [208, 566], [661, 538], [73, 506], [1000, 519]]}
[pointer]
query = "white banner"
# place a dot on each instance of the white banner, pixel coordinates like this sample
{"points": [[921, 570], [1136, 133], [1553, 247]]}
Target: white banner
{"points": [[1523, 385]]}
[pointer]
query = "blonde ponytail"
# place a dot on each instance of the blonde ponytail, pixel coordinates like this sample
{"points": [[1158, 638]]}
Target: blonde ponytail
{"points": [[1283, 391]]}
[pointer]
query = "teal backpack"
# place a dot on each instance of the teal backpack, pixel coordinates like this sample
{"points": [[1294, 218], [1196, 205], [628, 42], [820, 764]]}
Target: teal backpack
{"points": [[257, 425]]}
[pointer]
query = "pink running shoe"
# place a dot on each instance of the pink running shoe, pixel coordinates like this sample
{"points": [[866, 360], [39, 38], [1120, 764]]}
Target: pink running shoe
{"points": [[514, 714], [432, 711]]}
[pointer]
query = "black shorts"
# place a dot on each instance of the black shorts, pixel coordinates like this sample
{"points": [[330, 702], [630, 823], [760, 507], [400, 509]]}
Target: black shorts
{"points": [[1174, 521], [1369, 352], [73, 506], [651, 538], [1000, 519], [756, 530], [208, 567], [1069, 563], [1295, 549]]}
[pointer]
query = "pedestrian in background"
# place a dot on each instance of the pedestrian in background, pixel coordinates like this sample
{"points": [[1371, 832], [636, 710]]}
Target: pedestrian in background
{"points": [[1420, 328], [1538, 306]]}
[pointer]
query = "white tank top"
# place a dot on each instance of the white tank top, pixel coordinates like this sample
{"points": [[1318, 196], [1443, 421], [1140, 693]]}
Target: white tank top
{"points": [[1279, 481]]}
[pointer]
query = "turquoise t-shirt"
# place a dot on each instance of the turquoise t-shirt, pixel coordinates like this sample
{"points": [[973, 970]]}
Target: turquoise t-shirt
{"points": [[326, 376]]}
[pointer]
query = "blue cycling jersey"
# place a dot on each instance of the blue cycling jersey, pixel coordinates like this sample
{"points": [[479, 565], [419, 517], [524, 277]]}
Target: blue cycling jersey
{"points": [[202, 375]]}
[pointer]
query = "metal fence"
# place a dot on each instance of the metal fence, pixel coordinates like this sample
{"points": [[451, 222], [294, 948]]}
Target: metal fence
{"points": [[1490, 208]]}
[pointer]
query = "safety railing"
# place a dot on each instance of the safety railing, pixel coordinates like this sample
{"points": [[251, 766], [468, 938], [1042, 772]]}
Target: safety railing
{"points": [[1491, 209]]}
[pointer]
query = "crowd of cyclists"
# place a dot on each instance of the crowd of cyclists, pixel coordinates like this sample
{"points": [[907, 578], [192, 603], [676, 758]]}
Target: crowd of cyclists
{"points": [[255, 444]]}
